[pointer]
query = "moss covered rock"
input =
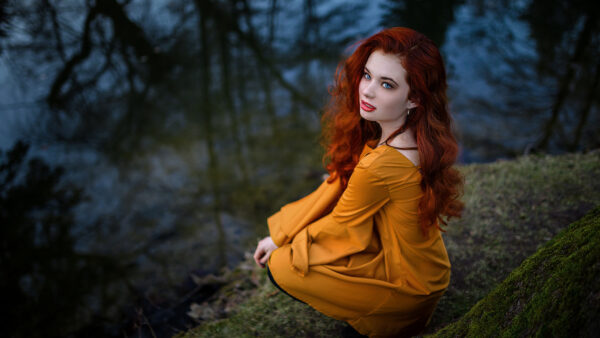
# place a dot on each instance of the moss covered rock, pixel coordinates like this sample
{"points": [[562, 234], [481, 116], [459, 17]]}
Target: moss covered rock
{"points": [[555, 292], [512, 208]]}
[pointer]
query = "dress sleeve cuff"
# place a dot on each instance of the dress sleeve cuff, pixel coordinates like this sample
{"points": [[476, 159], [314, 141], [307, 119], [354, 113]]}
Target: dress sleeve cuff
{"points": [[294, 216], [277, 234]]}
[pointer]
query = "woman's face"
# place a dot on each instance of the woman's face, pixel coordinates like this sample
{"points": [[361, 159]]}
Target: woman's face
{"points": [[383, 90]]}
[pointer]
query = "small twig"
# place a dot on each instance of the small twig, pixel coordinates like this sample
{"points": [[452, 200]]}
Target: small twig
{"points": [[146, 322], [188, 295]]}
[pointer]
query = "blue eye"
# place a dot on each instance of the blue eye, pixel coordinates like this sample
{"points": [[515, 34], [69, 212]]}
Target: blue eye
{"points": [[387, 85], [367, 76]]}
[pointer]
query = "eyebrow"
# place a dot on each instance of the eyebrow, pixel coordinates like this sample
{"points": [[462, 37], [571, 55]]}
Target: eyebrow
{"points": [[383, 77]]}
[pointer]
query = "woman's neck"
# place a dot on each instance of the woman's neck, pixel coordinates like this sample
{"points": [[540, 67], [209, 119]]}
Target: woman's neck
{"points": [[389, 129]]}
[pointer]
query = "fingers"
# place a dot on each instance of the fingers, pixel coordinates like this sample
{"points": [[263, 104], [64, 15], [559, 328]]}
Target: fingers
{"points": [[265, 258], [258, 254], [263, 251]]}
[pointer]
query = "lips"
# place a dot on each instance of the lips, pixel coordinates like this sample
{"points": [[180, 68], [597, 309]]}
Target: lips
{"points": [[364, 105]]}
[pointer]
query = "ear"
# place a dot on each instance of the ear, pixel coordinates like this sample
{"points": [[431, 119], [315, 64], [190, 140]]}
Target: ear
{"points": [[411, 105]]}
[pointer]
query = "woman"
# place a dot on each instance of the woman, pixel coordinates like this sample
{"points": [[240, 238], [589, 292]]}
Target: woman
{"points": [[366, 247]]}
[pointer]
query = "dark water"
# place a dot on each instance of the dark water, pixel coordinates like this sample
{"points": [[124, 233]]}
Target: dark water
{"points": [[157, 136]]}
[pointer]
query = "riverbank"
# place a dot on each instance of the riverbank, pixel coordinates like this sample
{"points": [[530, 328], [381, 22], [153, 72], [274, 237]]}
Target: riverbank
{"points": [[512, 209]]}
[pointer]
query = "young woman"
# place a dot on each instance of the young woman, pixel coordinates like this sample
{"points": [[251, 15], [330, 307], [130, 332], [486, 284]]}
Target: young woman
{"points": [[366, 247]]}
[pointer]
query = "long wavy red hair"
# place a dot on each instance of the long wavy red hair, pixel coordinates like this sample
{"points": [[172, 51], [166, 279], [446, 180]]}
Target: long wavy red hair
{"points": [[345, 133]]}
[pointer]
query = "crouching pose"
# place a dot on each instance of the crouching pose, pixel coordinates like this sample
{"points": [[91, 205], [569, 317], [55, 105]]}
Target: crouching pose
{"points": [[366, 246]]}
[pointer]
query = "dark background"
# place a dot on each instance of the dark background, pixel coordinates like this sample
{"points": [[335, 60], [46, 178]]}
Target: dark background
{"points": [[144, 141]]}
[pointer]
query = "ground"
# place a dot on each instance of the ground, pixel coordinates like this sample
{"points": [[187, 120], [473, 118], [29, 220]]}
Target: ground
{"points": [[512, 209]]}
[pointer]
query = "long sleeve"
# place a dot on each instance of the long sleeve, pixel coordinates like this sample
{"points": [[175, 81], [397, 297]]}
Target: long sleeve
{"points": [[293, 217], [348, 229]]}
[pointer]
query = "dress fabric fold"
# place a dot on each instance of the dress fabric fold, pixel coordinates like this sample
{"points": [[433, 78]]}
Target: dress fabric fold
{"points": [[359, 254]]}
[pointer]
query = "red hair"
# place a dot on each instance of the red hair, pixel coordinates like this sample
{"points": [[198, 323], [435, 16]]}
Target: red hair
{"points": [[345, 133]]}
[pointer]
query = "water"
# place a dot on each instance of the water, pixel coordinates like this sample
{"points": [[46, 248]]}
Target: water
{"points": [[180, 126]]}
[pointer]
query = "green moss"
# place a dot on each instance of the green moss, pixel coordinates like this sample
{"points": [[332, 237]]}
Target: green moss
{"points": [[555, 292], [269, 313], [512, 209]]}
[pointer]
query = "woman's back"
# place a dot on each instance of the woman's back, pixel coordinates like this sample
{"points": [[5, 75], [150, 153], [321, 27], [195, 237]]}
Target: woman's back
{"points": [[417, 260]]}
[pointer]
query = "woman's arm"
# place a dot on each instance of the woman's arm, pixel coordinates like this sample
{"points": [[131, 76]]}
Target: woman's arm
{"points": [[293, 217], [349, 227]]}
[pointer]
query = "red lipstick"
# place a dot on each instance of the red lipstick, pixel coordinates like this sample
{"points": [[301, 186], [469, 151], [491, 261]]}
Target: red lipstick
{"points": [[366, 106]]}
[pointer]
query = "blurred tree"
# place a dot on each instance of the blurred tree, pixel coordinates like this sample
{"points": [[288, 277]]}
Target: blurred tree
{"points": [[204, 108], [567, 36], [42, 274], [4, 18], [538, 63], [431, 18]]}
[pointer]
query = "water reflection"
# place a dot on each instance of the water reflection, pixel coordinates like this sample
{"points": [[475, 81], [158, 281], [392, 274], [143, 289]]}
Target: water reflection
{"points": [[186, 123], [526, 77], [440, 15], [172, 116], [46, 283]]}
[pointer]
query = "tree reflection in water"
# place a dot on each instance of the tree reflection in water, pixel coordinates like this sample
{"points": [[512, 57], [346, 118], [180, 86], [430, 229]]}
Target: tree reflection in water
{"points": [[46, 283], [186, 123], [527, 77]]}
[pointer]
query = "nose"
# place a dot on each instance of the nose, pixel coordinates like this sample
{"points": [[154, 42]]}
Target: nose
{"points": [[367, 89]]}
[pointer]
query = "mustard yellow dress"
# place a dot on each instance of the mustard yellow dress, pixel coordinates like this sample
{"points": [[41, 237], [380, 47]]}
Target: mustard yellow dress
{"points": [[360, 255]]}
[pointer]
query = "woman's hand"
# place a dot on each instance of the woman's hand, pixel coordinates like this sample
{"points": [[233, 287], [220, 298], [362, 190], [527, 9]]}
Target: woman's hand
{"points": [[263, 251]]}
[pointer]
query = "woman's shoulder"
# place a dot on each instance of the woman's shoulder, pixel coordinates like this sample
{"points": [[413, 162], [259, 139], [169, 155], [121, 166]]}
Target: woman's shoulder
{"points": [[385, 158], [388, 166], [370, 158]]}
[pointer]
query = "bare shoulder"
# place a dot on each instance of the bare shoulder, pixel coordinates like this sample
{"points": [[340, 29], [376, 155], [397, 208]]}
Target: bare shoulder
{"points": [[411, 154]]}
